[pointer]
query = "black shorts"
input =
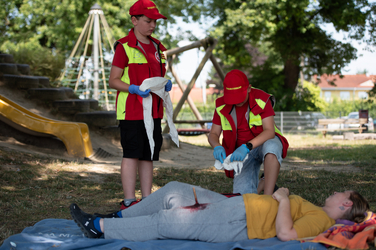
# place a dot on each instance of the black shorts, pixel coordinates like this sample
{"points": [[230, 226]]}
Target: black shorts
{"points": [[135, 142]]}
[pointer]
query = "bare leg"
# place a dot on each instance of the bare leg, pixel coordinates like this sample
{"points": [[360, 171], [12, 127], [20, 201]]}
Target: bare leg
{"points": [[129, 176], [271, 171], [261, 185], [145, 171], [101, 225]]}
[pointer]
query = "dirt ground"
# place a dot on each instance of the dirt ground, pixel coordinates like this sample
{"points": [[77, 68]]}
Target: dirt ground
{"points": [[186, 156]]}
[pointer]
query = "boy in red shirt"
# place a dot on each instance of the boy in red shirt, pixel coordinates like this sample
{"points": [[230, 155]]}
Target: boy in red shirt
{"points": [[245, 115], [138, 56]]}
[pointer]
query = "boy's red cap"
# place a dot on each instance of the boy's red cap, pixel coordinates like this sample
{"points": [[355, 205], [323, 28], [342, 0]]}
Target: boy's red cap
{"points": [[235, 87], [147, 8]]}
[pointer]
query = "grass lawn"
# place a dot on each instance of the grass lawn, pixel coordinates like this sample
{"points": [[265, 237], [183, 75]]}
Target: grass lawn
{"points": [[34, 188]]}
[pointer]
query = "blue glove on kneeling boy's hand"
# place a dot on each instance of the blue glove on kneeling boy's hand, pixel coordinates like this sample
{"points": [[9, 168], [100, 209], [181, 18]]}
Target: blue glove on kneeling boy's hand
{"points": [[168, 86], [134, 89], [240, 153], [219, 153]]}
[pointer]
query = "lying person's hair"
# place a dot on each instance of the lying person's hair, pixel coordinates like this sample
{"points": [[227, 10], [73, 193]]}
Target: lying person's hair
{"points": [[358, 211]]}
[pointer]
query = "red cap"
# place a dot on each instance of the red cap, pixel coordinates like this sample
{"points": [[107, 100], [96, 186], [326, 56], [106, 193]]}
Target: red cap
{"points": [[147, 8], [235, 87]]}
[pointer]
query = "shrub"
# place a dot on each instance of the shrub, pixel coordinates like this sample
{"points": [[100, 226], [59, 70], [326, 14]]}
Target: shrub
{"points": [[344, 107], [42, 61]]}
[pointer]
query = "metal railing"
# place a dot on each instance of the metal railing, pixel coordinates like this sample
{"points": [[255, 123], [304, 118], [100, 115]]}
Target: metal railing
{"points": [[286, 121]]}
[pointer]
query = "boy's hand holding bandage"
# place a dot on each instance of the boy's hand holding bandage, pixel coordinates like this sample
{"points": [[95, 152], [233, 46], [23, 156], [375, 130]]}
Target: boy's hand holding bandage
{"points": [[168, 86], [219, 153], [240, 153], [134, 89]]}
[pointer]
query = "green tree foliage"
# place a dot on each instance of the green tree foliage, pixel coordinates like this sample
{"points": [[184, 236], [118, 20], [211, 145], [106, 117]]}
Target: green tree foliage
{"points": [[58, 24], [311, 97], [342, 108], [283, 32], [287, 31], [42, 61]]}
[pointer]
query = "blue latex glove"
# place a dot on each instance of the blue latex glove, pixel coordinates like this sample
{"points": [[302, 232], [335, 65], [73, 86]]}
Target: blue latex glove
{"points": [[240, 153], [133, 89], [219, 153], [168, 86]]}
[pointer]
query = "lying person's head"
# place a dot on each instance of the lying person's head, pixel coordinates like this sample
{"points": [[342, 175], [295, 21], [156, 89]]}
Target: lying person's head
{"points": [[359, 208], [348, 205]]}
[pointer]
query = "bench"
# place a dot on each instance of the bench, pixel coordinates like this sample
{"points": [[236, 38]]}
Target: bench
{"points": [[193, 131], [341, 122]]}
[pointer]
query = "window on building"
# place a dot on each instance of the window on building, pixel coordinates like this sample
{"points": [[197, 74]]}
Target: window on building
{"points": [[362, 95], [328, 96], [344, 95]]}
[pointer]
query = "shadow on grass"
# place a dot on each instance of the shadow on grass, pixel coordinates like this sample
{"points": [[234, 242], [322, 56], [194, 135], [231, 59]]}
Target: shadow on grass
{"points": [[33, 189], [316, 186], [354, 153]]}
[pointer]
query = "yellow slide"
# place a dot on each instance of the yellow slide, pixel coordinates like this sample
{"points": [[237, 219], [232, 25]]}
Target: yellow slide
{"points": [[74, 135]]}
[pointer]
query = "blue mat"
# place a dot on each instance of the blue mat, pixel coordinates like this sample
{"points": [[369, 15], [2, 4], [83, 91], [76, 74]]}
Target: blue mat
{"points": [[65, 234]]}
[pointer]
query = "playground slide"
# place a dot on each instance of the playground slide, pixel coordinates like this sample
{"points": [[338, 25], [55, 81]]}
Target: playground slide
{"points": [[75, 136]]}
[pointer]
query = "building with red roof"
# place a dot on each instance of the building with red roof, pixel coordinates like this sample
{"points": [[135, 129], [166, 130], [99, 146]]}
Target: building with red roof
{"points": [[350, 87]]}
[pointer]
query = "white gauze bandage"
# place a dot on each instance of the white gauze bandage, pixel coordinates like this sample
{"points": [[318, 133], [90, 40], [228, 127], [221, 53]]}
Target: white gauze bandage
{"points": [[157, 86], [237, 166]]}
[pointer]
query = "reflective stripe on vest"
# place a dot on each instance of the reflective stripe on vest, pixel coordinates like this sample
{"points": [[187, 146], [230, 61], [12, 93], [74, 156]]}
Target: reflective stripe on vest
{"points": [[224, 122], [254, 120], [135, 56]]}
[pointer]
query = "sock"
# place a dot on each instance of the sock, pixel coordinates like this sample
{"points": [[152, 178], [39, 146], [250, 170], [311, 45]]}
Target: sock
{"points": [[119, 214], [97, 225], [127, 202]]}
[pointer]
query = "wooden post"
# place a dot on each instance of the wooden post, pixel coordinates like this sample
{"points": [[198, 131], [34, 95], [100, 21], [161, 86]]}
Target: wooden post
{"points": [[180, 84], [84, 55], [209, 44], [103, 72], [217, 67], [209, 52], [73, 51], [178, 50], [215, 63]]}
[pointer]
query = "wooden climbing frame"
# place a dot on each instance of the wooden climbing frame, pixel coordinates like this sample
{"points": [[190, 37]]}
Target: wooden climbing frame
{"points": [[208, 44]]}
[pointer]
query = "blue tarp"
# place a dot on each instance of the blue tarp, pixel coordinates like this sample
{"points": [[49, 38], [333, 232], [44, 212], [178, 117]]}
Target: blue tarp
{"points": [[65, 234]]}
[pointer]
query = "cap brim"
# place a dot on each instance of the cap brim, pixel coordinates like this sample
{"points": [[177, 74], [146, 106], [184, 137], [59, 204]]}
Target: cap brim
{"points": [[235, 98], [155, 16]]}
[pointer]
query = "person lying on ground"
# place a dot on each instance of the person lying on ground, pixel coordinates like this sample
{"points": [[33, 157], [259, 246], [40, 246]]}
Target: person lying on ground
{"points": [[173, 212]]}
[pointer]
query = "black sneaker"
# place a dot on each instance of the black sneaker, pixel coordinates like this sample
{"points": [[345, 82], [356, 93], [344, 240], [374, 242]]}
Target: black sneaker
{"points": [[112, 215], [84, 221]]}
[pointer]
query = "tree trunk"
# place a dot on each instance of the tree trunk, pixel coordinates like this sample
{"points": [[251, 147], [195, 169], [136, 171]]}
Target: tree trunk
{"points": [[291, 71]]}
